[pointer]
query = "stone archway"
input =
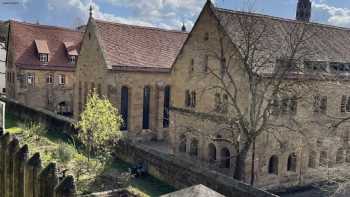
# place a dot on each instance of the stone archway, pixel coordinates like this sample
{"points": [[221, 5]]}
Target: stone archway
{"points": [[225, 160], [292, 162], [211, 153], [194, 147], [182, 143], [273, 165]]}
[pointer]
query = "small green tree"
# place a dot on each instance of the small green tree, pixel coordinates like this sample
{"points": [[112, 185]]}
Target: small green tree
{"points": [[99, 127]]}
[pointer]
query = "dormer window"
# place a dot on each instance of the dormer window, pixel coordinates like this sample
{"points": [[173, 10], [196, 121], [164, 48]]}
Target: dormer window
{"points": [[43, 50], [72, 59], [44, 58], [72, 52]]}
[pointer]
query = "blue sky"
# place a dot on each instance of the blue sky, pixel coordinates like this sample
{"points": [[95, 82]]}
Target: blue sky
{"points": [[160, 13]]}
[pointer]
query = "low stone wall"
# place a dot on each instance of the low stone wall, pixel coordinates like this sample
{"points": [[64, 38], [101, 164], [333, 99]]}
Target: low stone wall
{"points": [[48, 118], [180, 173], [21, 176]]}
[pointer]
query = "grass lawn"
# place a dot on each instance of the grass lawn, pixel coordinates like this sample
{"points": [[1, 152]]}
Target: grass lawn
{"points": [[50, 145]]}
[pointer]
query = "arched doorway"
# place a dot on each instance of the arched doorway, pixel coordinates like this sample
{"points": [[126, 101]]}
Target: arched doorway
{"points": [[182, 144], [211, 153], [273, 165], [312, 159], [63, 109], [225, 158], [194, 147], [323, 159], [340, 156], [292, 162]]}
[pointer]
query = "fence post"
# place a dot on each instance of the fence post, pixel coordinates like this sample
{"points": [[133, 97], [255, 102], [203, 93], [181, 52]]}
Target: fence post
{"points": [[4, 141], [9, 159], [66, 188], [18, 171], [33, 168], [48, 180]]}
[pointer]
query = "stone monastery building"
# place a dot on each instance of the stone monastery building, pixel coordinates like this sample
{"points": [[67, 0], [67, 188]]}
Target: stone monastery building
{"points": [[168, 86]]}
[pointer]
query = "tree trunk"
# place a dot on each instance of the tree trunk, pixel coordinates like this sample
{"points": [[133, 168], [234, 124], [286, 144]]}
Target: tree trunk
{"points": [[239, 173]]}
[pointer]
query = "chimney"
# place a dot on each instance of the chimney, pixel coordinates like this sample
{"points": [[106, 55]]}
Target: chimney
{"points": [[183, 28], [303, 10]]}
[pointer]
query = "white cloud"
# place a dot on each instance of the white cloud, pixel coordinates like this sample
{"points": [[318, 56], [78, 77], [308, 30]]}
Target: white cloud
{"points": [[336, 16], [169, 14]]}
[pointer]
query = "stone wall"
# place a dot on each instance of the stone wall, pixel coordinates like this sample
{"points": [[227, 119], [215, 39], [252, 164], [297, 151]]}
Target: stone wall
{"points": [[181, 173], [21, 176], [51, 120]]}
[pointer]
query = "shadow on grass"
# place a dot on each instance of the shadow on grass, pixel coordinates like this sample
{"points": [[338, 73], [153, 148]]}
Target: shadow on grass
{"points": [[147, 184]]}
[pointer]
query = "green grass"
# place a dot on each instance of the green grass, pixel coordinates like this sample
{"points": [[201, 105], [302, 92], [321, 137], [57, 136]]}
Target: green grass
{"points": [[11, 124], [48, 143], [147, 185]]}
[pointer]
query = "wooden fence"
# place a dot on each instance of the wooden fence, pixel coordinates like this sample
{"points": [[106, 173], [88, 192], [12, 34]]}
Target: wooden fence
{"points": [[21, 176]]}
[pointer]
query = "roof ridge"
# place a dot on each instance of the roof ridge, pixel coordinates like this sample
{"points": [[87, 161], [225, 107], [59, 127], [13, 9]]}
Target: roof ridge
{"points": [[141, 27], [280, 18], [46, 26]]}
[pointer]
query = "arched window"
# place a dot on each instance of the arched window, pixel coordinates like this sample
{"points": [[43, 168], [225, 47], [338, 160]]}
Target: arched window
{"points": [[146, 107], [323, 159], [166, 114], [340, 155], [182, 144], [211, 153], [124, 107], [312, 159], [194, 148], [225, 158], [273, 165], [292, 162]]}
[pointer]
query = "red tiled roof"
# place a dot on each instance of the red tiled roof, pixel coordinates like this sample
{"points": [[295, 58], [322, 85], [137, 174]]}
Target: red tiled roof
{"points": [[25, 36], [128, 47]]}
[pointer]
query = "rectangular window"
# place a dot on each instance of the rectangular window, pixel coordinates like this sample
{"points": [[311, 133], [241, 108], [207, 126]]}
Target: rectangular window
{"points": [[72, 59], [61, 79], [343, 103], [323, 106], [49, 79], [206, 62], [187, 99], [43, 57], [193, 99], [30, 79]]}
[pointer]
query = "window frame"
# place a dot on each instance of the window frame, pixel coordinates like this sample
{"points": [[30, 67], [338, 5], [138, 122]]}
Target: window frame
{"points": [[72, 59], [61, 79], [44, 57]]}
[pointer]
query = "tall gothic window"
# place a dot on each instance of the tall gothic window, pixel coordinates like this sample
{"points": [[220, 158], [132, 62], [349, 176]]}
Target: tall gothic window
{"points": [[124, 107], [146, 107], [166, 114]]}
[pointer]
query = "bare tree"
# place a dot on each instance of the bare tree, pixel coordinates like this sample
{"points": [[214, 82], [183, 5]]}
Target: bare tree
{"points": [[259, 76]]}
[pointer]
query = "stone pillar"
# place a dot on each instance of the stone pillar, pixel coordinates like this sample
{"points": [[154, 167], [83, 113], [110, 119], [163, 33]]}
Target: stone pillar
{"points": [[31, 183], [160, 110], [4, 141], [9, 159], [47, 181], [66, 188], [18, 171]]}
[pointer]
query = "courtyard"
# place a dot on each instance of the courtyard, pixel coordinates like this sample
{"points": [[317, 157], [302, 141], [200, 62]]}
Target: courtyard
{"points": [[55, 147]]}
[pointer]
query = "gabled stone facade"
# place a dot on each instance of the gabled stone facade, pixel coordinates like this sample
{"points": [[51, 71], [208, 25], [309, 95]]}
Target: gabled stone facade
{"points": [[101, 67], [297, 160], [41, 83]]}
